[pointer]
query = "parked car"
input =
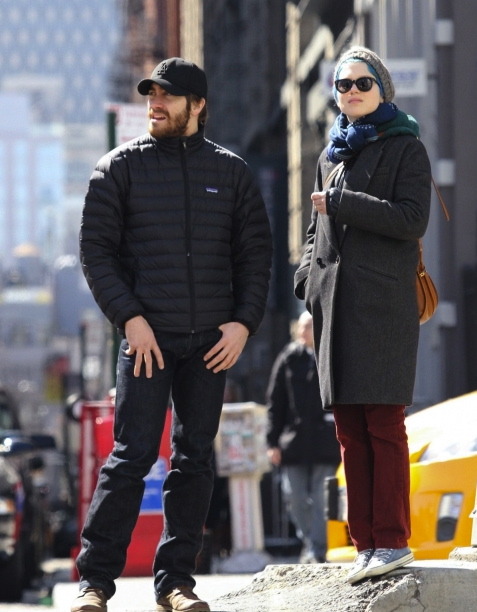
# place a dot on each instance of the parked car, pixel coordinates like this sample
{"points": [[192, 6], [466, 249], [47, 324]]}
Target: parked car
{"points": [[24, 521], [443, 456], [9, 418]]}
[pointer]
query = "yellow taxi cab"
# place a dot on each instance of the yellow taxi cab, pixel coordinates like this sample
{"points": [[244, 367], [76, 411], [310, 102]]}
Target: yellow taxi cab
{"points": [[443, 457]]}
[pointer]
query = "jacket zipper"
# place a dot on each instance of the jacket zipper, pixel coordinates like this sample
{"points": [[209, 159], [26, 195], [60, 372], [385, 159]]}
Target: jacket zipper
{"points": [[188, 236]]}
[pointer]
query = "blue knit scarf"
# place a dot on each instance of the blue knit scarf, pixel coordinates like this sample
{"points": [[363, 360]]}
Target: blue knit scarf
{"points": [[347, 139]]}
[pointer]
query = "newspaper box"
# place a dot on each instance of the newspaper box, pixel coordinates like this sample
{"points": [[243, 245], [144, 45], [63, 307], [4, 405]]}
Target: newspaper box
{"points": [[241, 455], [241, 445], [96, 444]]}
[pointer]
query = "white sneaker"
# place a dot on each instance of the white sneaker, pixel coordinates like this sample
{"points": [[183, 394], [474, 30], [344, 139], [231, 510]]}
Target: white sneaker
{"points": [[386, 559], [358, 569]]}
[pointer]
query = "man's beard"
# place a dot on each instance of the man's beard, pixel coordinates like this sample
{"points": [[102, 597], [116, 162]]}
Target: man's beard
{"points": [[174, 127]]}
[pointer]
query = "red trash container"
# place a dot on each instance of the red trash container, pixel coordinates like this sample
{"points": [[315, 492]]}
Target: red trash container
{"points": [[97, 420]]}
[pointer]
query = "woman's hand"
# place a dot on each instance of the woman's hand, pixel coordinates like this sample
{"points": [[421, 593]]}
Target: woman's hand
{"points": [[319, 201]]}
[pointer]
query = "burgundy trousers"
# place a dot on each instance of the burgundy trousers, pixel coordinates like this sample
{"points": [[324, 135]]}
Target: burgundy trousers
{"points": [[375, 457]]}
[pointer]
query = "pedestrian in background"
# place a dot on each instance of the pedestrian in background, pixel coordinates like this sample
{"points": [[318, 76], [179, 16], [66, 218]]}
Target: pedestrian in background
{"points": [[358, 279], [302, 439], [176, 248]]}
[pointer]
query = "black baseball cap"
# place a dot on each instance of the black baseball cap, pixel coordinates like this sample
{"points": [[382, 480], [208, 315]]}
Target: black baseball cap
{"points": [[178, 77]]}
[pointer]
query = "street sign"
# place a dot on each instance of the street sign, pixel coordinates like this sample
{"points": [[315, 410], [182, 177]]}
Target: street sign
{"points": [[409, 76], [130, 121]]}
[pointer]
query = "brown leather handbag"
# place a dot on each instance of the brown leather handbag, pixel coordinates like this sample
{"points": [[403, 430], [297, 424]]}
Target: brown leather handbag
{"points": [[427, 296]]}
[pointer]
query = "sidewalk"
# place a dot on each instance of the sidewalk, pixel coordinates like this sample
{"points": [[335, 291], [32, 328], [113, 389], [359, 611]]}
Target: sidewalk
{"points": [[437, 585], [136, 594]]}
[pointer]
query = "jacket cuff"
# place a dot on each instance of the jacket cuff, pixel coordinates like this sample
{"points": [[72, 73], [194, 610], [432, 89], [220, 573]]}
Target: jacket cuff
{"points": [[120, 322], [301, 276], [251, 330], [333, 197]]}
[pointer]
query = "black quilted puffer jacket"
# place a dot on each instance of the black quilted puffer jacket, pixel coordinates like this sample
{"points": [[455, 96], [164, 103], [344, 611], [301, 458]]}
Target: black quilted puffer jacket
{"points": [[176, 230]]}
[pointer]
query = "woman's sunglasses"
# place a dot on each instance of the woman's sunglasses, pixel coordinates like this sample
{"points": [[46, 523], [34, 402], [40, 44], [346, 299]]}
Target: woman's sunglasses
{"points": [[363, 84]]}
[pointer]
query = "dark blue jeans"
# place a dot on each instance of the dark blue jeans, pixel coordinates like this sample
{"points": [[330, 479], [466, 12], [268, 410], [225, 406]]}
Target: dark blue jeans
{"points": [[141, 404]]}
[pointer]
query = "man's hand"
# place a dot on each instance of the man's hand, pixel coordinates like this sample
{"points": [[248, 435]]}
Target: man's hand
{"points": [[142, 341], [228, 349]]}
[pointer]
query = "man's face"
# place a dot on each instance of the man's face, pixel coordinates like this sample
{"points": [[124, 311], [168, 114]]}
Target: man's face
{"points": [[305, 332], [169, 116]]}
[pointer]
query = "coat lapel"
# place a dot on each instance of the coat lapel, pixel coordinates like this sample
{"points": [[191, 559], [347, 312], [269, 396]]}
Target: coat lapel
{"points": [[329, 231], [363, 169], [356, 179], [328, 224]]}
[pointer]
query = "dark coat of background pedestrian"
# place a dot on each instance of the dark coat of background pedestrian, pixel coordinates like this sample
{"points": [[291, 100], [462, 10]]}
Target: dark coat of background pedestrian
{"points": [[297, 423], [302, 440]]}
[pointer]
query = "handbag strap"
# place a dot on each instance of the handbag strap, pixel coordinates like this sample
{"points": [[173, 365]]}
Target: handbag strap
{"points": [[421, 268], [441, 199], [333, 174]]}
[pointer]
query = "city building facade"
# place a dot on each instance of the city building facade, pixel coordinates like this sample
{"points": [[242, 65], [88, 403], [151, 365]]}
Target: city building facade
{"points": [[269, 64], [55, 67]]}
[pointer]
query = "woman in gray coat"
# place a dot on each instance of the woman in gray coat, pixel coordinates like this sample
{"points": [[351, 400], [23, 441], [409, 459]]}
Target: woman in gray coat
{"points": [[358, 279]]}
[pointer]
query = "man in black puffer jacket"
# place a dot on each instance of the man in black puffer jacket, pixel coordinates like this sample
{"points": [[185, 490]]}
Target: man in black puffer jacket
{"points": [[176, 248]]}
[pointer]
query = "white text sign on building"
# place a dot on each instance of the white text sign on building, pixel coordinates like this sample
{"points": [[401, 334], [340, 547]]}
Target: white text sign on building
{"points": [[409, 76]]}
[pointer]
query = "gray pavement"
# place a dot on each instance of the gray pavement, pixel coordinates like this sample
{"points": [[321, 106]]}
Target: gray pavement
{"points": [[286, 586], [436, 586], [136, 594]]}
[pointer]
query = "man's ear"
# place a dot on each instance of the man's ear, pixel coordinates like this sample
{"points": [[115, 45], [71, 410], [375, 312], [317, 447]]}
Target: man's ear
{"points": [[197, 106]]}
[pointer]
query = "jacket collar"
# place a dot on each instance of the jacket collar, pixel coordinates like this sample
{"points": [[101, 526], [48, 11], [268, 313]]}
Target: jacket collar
{"points": [[191, 143]]}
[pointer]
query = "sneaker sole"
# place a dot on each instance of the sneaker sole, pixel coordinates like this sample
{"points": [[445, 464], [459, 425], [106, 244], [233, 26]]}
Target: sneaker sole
{"points": [[167, 608], [81, 605], [384, 569], [161, 608], [357, 577]]}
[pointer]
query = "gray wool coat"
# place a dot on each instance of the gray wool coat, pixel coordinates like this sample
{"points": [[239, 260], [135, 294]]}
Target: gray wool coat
{"points": [[360, 284]]}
